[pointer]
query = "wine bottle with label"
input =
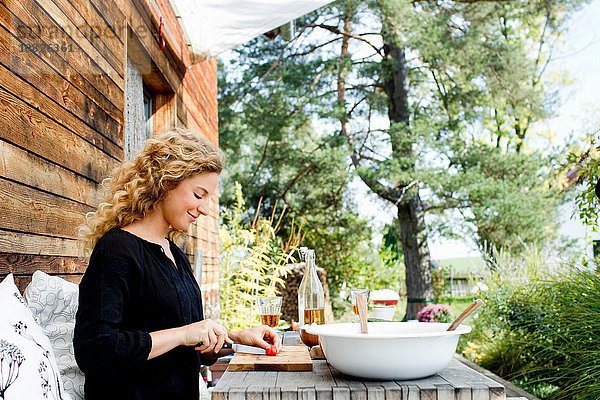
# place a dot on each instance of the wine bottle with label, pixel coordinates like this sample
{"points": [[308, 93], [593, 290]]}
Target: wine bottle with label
{"points": [[311, 297]]}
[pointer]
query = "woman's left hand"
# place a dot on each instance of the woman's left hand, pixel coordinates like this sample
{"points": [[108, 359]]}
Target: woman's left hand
{"points": [[260, 336]]}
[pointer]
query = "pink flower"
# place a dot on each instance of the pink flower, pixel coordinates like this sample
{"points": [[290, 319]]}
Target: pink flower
{"points": [[435, 313]]}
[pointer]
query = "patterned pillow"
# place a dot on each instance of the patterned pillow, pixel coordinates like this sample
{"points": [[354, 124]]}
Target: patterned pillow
{"points": [[28, 369], [53, 301]]}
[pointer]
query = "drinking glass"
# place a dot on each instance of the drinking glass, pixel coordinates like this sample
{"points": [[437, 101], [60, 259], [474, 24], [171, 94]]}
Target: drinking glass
{"points": [[353, 293], [269, 309]]}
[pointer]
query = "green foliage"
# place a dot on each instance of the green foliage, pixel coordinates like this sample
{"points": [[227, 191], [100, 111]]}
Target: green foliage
{"points": [[458, 304], [566, 328], [509, 275], [538, 389], [480, 67], [280, 157], [253, 261], [351, 261], [383, 272], [511, 197], [439, 277], [540, 326], [584, 163]]}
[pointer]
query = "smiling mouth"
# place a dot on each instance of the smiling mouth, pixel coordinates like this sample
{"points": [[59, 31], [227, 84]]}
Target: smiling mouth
{"points": [[192, 216]]}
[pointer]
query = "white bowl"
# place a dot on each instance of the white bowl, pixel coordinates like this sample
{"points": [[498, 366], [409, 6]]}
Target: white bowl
{"points": [[391, 350]]}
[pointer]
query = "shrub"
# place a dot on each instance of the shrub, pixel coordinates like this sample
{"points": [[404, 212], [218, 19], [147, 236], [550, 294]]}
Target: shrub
{"points": [[253, 262], [564, 335], [540, 327]]}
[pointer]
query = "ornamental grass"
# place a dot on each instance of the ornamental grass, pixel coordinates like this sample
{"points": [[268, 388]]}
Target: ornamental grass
{"points": [[542, 330]]}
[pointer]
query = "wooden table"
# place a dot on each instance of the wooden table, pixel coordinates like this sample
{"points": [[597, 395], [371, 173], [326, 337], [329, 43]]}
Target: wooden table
{"points": [[457, 382]]}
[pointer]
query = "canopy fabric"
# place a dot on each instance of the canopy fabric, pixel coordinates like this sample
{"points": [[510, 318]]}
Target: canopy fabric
{"points": [[214, 26]]}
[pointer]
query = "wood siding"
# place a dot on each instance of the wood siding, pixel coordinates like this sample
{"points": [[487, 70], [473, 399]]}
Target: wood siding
{"points": [[62, 99]]}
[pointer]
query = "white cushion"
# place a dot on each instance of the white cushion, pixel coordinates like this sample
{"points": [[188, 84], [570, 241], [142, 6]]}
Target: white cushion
{"points": [[53, 302], [204, 393], [28, 368]]}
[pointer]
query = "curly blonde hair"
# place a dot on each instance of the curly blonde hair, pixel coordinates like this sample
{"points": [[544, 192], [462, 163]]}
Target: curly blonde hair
{"points": [[134, 188]]}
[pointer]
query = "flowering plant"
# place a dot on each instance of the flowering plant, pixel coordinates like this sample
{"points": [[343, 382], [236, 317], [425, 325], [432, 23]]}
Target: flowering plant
{"points": [[435, 313], [479, 287]]}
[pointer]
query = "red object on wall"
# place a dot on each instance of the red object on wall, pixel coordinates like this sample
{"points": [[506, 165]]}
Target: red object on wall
{"points": [[161, 39]]}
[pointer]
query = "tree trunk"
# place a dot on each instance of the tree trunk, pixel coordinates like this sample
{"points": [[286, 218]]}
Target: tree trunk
{"points": [[413, 236], [419, 283], [411, 216]]}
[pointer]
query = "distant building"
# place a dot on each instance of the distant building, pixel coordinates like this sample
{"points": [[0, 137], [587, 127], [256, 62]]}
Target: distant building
{"points": [[460, 274]]}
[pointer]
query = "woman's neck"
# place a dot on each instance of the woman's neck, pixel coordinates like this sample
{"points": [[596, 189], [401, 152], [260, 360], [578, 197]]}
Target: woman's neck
{"points": [[152, 228]]}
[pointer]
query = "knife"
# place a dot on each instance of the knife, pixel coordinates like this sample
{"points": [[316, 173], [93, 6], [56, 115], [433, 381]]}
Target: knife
{"points": [[242, 348]]}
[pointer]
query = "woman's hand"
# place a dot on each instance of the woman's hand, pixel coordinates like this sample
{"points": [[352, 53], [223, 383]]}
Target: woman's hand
{"points": [[260, 336], [206, 335]]}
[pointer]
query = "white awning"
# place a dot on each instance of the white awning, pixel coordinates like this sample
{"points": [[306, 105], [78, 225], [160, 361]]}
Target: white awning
{"points": [[214, 26]]}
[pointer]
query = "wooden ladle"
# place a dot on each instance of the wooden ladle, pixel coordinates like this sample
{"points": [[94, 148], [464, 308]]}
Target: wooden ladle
{"points": [[468, 311], [361, 303]]}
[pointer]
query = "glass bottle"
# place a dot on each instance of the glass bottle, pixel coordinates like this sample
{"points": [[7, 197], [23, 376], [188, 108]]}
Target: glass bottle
{"points": [[302, 253], [311, 297]]}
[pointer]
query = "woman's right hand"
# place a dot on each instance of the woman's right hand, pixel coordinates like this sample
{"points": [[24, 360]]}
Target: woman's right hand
{"points": [[206, 335]]}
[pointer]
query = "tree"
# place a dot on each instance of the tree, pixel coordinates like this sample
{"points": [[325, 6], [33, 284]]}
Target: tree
{"points": [[374, 172], [485, 64], [461, 72], [428, 97]]}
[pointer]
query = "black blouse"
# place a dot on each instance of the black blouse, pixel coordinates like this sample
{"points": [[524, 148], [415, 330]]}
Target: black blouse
{"points": [[129, 289]]}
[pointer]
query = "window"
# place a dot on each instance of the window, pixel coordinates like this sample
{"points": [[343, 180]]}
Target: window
{"points": [[150, 104], [138, 111], [148, 113]]}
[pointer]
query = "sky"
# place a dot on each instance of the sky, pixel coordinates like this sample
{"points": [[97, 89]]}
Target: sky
{"points": [[579, 55]]}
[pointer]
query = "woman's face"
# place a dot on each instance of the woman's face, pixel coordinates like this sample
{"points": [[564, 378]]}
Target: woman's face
{"points": [[188, 200]]}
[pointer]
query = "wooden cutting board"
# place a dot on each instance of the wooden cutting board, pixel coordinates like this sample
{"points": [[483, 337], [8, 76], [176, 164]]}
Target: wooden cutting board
{"points": [[290, 358]]}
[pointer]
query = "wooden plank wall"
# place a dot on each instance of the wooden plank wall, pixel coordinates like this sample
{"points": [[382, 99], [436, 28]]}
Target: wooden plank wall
{"points": [[62, 82]]}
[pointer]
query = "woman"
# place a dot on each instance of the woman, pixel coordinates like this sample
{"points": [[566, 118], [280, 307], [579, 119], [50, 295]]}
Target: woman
{"points": [[140, 331]]}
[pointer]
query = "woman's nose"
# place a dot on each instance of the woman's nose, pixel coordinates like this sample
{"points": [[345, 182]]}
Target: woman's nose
{"points": [[203, 206]]}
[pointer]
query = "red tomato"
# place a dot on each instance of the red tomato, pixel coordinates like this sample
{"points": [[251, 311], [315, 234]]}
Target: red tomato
{"points": [[271, 351]]}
